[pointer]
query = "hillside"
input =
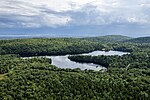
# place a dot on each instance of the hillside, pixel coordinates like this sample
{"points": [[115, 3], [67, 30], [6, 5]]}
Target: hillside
{"points": [[48, 46], [39, 79], [139, 40], [108, 38]]}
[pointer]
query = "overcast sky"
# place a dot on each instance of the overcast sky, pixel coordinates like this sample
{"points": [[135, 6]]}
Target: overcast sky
{"points": [[126, 16]]}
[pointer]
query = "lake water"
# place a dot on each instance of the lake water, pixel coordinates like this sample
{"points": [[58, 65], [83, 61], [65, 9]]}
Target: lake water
{"points": [[64, 62], [96, 53]]}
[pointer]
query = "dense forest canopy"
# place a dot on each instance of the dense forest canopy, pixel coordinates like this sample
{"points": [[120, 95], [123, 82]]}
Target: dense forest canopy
{"points": [[108, 38], [35, 46], [37, 79], [139, 40]]}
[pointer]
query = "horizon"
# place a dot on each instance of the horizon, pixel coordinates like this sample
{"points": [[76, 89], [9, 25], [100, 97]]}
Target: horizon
{"points": [[8, 37], [74, 18]]}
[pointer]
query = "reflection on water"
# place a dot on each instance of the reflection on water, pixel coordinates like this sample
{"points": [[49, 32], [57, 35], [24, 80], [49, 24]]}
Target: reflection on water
{"points": [[64, 62], [96, 53]]}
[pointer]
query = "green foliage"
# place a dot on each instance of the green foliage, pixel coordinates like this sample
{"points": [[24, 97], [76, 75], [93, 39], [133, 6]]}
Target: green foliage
{"points": [[36, 79], [139, 56], [137, 60], [8, 62], [36, 47], [139, 40], [108, 38]]}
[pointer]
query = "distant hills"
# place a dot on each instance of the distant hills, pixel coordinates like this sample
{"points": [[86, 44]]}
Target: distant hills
{"points": [[139, 40], [118, 38], [108, 38]]}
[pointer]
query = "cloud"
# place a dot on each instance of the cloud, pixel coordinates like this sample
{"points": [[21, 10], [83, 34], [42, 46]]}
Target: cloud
{"points": [[113, 11], [17, 13], [56, 13]]}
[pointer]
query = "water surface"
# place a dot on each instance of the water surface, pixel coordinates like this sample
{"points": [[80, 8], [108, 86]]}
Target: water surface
{"points": [[64, 62], [96, 53]]}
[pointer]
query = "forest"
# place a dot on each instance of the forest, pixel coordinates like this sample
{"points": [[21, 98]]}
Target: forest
{"points": [[127, 77]]}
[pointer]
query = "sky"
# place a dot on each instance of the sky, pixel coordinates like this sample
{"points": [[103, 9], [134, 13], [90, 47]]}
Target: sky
{"points": [[75, 17]]}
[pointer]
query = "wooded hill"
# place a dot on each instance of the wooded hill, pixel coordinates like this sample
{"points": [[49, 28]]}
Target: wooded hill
{"points": [[108, 38], [37, 79], [139, 40]]}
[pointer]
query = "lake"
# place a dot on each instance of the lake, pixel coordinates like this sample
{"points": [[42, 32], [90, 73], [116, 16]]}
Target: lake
{"points": [[64, 62]]}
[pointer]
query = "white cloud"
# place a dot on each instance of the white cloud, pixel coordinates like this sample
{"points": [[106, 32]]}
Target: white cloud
{"points": [[52, 20], [58, 5], [53, 13]]}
